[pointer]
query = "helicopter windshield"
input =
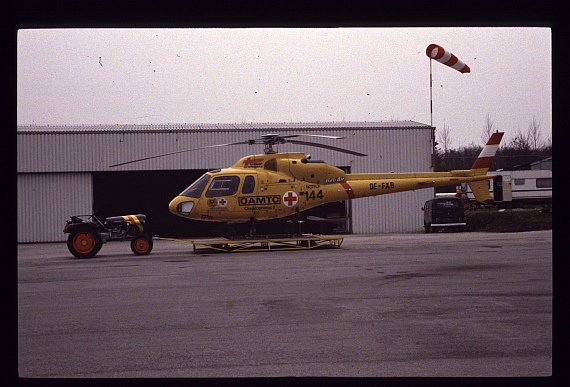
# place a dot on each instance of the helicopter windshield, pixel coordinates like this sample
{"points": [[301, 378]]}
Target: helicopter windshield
{"points": [[195, 189]]}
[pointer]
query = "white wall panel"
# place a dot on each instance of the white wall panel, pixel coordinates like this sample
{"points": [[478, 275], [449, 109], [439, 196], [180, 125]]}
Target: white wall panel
{"points": [[47, 200], [395, 213]]}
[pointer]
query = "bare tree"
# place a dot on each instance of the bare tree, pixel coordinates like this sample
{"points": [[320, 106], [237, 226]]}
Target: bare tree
{"points": [[535, 142], [444, 138], [487, 129], [548, 143], [521, 141]]}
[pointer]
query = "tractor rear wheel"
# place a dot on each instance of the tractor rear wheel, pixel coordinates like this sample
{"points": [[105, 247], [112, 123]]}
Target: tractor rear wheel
{"points": [[84, 243]]}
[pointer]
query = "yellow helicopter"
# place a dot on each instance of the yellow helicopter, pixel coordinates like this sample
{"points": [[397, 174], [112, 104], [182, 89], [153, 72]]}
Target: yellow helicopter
{"points": [[276, 185]]}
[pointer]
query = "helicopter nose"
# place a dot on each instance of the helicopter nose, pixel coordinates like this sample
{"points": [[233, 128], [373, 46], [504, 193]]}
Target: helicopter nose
{"points": [[181, 206]]}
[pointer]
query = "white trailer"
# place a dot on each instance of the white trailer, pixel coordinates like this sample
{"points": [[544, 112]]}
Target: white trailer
{"points": [[517, 188]]}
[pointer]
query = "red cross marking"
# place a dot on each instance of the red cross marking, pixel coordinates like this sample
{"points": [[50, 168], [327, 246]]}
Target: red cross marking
{"points": [[222, 202], [290, 198], [250, 160]]}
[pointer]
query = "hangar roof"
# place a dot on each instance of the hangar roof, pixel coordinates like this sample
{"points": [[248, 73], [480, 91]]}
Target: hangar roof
{"points": [[260, 126]]}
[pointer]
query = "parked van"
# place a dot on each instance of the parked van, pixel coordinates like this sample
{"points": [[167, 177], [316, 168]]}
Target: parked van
{"points": [[445, 212]]}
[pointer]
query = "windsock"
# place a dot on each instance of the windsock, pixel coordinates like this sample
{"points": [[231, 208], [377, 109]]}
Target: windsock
{"points": [[438, 53]]}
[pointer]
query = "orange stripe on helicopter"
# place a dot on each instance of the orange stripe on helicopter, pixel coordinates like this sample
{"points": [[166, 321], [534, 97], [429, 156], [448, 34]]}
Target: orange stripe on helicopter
{"points": [[348, 189]]}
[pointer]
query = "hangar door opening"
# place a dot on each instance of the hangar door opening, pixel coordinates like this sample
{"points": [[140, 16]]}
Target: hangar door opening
{"points": [[148, 193]]}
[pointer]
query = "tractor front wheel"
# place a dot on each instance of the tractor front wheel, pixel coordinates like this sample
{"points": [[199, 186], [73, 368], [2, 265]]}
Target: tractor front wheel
{"points": [[141, 244]]}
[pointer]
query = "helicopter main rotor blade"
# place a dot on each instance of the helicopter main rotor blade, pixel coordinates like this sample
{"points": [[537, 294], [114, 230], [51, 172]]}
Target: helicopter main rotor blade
{"points": [[325, 147], [312, 135], [182, 151]]}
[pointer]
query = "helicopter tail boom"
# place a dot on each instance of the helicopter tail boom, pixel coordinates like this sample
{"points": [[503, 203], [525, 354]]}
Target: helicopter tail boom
{"points": [[373, 184], [364, 185]]}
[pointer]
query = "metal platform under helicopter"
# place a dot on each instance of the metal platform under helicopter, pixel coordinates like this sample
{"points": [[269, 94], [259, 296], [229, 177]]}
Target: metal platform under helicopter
{"points": [[257, 244]]}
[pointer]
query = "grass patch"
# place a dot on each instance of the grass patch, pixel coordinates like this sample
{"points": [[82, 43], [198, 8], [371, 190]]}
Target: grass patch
{"points": [[515, 220]]}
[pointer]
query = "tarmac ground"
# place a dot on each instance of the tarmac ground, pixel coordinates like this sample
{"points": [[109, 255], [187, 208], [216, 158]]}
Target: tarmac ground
{"points": [[390, 305]]}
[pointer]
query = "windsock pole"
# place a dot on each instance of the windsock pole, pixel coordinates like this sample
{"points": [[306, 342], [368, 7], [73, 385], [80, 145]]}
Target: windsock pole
{"points": [[430, 96], [432, 130], [433, 51]]}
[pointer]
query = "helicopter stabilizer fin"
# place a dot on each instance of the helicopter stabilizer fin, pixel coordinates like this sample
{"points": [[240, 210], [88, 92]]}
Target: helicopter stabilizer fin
{"points": [[481, 166]]}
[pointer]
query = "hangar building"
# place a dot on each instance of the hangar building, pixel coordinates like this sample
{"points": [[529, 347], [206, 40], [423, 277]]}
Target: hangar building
{"points": [[64, 171]]}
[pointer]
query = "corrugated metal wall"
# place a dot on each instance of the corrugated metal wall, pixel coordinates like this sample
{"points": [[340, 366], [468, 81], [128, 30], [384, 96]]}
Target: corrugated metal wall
{"points": [[396, 150], [391, 148], [45, 202], [397, 147], [395, 213]]}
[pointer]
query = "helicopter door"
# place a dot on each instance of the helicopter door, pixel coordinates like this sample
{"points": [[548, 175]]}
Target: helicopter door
{"points": [[507, 189], [498, 188], [254, 203], [222, 194], [248, 201]]}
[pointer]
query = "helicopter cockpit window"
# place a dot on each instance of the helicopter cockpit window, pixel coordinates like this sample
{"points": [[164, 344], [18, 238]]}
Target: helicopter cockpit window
{"points": [[223, 186], [195, 189], [248, 185]]}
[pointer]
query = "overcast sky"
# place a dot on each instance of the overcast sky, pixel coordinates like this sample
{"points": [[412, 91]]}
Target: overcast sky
{"points": [[143, 76]]}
